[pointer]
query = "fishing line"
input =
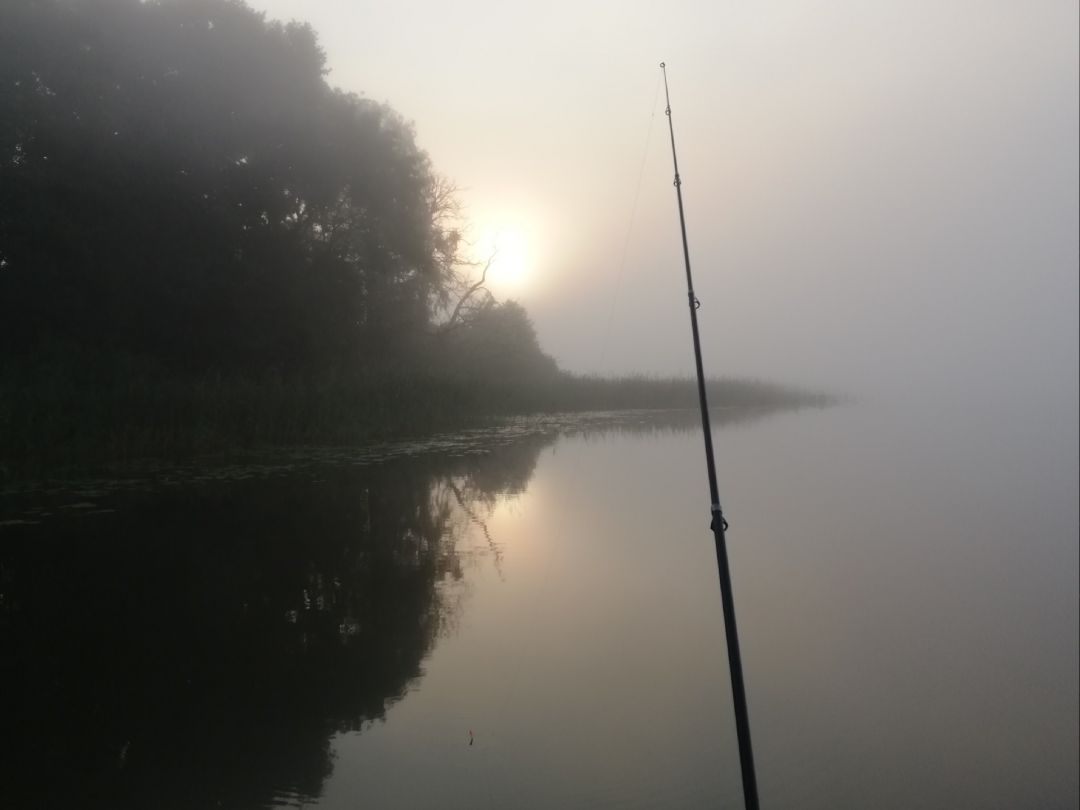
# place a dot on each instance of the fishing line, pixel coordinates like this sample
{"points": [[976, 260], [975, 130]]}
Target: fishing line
{"points": [[488, 739], [629, 228], [541, 592]]}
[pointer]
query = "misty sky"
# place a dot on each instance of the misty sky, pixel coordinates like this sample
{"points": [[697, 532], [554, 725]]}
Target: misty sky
{"points": [[880, 196]]}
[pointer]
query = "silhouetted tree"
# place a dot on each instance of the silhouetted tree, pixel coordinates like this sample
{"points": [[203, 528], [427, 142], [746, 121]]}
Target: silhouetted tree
{"points": [[177, 179], [498, 340]]}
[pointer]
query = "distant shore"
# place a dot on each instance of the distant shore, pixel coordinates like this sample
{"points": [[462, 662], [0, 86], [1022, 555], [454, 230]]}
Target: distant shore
{"points": [[52, 422]]}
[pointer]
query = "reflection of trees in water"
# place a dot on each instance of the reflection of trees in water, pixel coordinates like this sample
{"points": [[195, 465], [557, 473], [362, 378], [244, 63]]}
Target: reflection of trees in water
{"points": [[477, 487], [203, 645]]}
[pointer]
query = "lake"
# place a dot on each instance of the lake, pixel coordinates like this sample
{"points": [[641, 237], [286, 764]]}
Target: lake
{"points": [[529, 616]]}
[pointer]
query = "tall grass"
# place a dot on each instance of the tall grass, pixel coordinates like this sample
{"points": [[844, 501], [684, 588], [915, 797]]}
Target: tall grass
{"points": [[71, 413]]}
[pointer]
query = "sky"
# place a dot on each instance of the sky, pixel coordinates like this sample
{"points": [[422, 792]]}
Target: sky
{"points": [[881, 198]]}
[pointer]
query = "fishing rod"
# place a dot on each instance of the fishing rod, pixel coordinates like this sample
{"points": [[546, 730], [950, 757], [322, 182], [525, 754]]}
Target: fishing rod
{"points": [[719, 525]]}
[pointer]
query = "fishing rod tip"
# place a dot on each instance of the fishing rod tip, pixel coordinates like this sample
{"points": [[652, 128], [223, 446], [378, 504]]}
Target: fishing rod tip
{"points": [[663, 64]]}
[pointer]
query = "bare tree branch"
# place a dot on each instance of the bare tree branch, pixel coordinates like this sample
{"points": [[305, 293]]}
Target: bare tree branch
{"points": [[456, 317]]}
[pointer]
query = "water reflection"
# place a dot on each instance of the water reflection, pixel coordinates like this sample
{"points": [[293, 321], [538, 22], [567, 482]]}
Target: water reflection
{"points": [[198, 648], [198, 645], [333, 624]]}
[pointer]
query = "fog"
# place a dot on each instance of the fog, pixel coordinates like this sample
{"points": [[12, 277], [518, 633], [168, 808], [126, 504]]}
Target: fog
{"points": [[881, 198], [286, 485]]}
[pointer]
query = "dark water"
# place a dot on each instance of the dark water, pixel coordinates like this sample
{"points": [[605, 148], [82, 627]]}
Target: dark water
{"points": [[331, 629]]}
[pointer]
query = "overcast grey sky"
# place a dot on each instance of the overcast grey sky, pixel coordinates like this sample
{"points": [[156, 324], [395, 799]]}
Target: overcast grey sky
{"points": [[880, 196]]}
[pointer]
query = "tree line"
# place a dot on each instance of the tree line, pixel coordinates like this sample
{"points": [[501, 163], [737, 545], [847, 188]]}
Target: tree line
{"points": [[203, 245], [178, 180]]}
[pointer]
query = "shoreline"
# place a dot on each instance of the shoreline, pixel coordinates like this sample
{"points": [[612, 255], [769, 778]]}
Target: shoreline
{"points": [[153, 448]]}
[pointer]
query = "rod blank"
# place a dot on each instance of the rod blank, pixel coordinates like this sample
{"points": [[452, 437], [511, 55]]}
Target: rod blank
{"points": [[718, 523]]}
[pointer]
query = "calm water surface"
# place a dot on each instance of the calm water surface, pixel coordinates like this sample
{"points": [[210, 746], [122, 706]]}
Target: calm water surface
{"points": [[530, 617]]}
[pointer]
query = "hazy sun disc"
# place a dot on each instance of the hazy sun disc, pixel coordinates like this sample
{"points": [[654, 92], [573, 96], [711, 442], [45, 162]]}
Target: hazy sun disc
{"points": [[511, 266]]}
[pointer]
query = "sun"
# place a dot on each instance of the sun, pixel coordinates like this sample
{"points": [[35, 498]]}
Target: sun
{"points": [[508, 247]]}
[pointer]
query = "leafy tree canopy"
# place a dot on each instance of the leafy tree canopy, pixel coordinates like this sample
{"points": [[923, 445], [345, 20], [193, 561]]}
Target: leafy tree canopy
{"points": [[177, 179]]}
